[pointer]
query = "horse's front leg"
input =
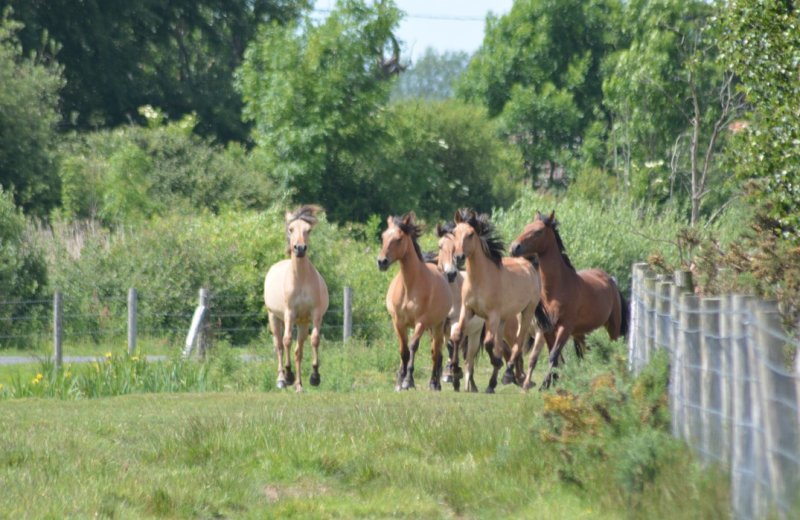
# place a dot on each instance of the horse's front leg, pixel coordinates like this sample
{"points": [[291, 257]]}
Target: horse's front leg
{"points": [[413, 345], [302, 334], [493, 344], [459, 338], [289, 322], [276, 326], [315, 379], [402, 336], [436, 355], [561, 337], [473, 345]]}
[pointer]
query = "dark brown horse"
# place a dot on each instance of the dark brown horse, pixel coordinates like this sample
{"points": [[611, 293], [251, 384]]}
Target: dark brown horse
{"points": [[577, 302]]}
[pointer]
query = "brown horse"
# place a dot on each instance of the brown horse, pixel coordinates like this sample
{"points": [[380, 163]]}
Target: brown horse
{"points": [[496, 288], [418, 298], [296, 294], [577, 302]]}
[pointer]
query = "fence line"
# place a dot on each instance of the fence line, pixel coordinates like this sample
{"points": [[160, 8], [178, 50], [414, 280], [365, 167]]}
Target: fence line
{"points": [[734, 385]]}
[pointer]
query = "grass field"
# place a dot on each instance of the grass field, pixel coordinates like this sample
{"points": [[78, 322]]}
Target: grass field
{"points": [[353, 448]]}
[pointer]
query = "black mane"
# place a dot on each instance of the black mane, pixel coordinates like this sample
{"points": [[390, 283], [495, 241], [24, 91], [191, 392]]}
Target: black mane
{"points": [[491, 242], [553, 224], [412, 229]]}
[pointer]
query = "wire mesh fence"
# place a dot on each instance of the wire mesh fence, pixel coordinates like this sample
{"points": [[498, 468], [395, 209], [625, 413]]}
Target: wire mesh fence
{"points": [[107, 320], [734, 385]]}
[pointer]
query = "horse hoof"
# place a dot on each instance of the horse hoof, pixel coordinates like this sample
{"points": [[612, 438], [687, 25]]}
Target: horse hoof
{"points": [[298, 389], [458, 372], [435, 386], [281, 384], [508, 378], [407, 385], [447, 378], [527, 386], [289, 378], [398, 388], [489, 390], [314, 379]]}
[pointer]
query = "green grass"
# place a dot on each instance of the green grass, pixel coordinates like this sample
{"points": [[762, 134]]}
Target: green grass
{"points": [[352, 448]]}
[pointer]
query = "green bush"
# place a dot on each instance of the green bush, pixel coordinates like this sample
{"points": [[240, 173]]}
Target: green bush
{"points": [[126, 175], [23, 278]]}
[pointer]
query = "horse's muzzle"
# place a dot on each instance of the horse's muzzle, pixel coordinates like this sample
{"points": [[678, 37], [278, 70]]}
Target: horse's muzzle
{"points": [[383, 263], [300, 250], [516, 249], [451, 275]]}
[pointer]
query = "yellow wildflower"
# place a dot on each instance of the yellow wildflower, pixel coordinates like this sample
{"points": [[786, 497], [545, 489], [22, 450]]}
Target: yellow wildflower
{"points": [[135, 358], [1, 387], [96, 366], [108, 355], [67, 374]]}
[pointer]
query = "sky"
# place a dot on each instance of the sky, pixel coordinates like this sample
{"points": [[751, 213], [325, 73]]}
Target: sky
{"points": [[444, 25]]}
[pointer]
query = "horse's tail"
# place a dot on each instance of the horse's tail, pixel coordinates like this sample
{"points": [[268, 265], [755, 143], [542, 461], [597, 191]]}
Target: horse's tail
{"points": [[624, 315]]}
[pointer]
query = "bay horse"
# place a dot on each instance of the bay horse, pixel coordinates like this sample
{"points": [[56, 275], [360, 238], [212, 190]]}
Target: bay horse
{"points": [[577, 302], [496, 288], [296, 295], [418, 297]]}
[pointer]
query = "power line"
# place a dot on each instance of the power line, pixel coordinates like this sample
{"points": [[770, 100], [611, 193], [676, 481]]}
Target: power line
{"points": [[423, 16]]}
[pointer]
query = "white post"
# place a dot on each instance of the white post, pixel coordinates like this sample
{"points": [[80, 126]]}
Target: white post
{"points": [[347, 325], [690, 337], [198, 320], [744, 486], [58, 332], [711, 397], [131, 321]]}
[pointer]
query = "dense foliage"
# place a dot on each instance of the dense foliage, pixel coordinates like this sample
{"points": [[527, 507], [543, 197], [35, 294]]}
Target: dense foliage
{"points": [[177, 55], [28, 115]]}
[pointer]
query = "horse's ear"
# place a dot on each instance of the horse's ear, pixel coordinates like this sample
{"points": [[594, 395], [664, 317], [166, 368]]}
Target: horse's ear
{"points": [[389, 221], [439, 230], [538, 215], [552, 217], [288, 216], [409, 218], [457, 217]]}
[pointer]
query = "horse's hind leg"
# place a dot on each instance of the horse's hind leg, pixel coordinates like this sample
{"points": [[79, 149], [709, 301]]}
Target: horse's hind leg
{"points": [[408, 381], [561, 337], [494, 353], [580, 345], [302, 334], [276, 326], [473, 345], [538, 343]]}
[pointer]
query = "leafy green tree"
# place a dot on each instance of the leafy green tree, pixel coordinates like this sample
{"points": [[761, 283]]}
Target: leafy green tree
{"points": [[316, 94], [541, 64], [432, 76], [178, 55], [28, 115], [761, 40], [671, 102]]}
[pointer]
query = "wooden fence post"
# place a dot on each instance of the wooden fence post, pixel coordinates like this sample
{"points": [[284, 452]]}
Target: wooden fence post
{"points": [[663, 330], [726, 371], [635, 345], [58, 332], [744, 482], [676, 363], [649, 320], [711, 395], [204, 339], [778, 398], [132, 297], [197, 326], [690, 344], [347, 325]]}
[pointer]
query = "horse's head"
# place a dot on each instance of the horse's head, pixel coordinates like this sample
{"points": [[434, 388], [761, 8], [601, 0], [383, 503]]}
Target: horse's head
{"points": [[535, 239], [465, 235], [400, 235], [447, 247], [298, 228]]}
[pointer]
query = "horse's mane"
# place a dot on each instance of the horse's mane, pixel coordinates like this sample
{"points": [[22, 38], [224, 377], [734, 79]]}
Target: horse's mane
{"points": [[491, 242], [553, 224], [306, 213], [445, 229], [430, 257], [412, 229]]}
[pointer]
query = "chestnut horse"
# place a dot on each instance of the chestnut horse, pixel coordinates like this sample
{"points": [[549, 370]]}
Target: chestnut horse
{"points": [[418, 298], [496, 288], [577, 302], [296, 294]]}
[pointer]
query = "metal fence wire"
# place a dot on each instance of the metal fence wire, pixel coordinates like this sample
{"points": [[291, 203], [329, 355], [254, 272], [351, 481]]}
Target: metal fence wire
{"points": [[734, 385]]}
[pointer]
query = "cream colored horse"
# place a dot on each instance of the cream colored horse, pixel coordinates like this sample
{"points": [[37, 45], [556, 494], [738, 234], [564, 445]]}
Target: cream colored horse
{"points": [[296, 295], [418, 298], [496, 288]]}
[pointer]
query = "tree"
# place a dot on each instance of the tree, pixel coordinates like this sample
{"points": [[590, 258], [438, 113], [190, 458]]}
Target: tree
{"points": [[316, 94], [761, 42], [671, 102], [28, 115], [432, 76], [541, 64], [178, 55]]}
